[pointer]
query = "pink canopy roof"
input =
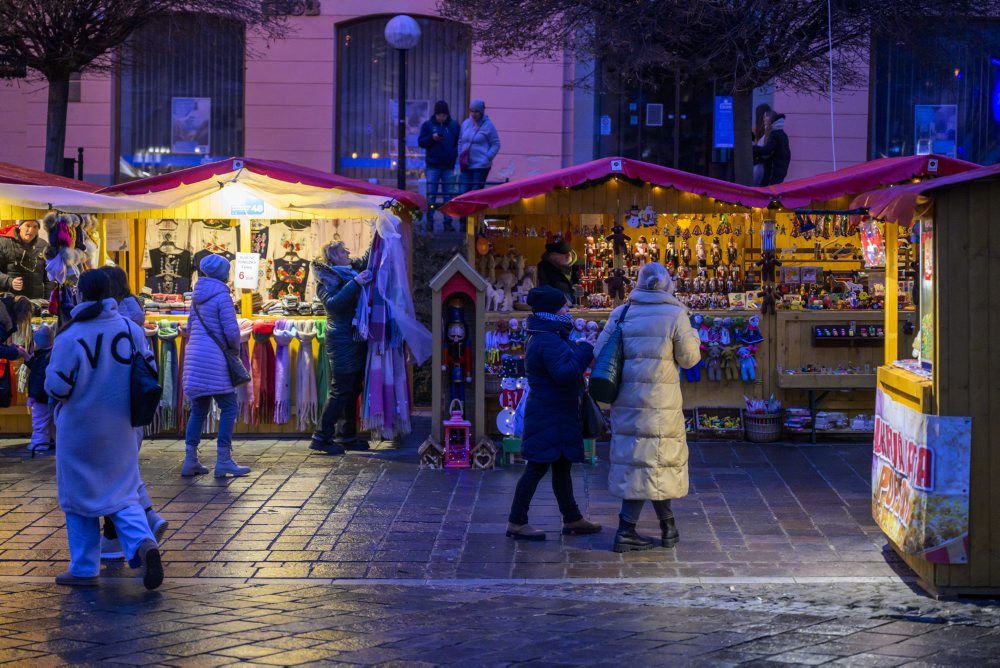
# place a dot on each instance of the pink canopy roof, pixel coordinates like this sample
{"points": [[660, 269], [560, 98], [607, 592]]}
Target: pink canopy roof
{"points": [[897, 205], [508, 193], [291, 185], [863, 177]]}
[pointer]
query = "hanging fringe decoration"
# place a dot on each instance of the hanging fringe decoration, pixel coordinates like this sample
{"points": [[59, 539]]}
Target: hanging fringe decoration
{"points": [[306, 404], [284, 332], [262, 368], [167, 332], [322, 368], [244, 393]]}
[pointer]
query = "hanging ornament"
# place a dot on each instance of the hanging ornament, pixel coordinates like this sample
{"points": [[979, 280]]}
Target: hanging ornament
{"points": [[633, 217]]}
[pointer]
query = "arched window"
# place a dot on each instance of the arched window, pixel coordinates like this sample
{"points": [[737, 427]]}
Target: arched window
{"points": [[367, 75], [181, 95]]}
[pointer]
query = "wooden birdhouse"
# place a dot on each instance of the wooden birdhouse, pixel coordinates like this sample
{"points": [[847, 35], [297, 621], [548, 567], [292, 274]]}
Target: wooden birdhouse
{"points": [[456, 438], [458, 307]]}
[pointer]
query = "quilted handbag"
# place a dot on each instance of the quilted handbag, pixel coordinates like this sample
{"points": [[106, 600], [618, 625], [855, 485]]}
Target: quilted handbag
{"points": [[607, 371]]}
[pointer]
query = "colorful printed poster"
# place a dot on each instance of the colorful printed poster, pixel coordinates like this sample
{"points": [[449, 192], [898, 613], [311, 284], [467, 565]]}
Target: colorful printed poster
{"points": [[920, 481]]}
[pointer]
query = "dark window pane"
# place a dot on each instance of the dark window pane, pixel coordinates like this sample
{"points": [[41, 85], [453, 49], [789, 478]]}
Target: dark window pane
{"points": [[181, 95], [436, 69]]}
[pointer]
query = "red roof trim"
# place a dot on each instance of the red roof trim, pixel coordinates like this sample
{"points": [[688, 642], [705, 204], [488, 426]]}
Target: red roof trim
{"points": [[18, 175]]}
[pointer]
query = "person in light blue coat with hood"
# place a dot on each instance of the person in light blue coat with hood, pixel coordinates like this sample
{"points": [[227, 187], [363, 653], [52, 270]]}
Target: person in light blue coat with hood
{"points": [[206, 374], [478, 145]]}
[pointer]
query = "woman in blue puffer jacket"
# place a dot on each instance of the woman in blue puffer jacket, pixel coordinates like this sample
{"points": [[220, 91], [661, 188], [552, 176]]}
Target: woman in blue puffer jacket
{"points": [[553, 433], [206, 374]]}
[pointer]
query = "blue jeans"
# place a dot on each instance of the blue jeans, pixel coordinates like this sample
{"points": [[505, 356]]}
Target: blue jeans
{"points": [[84, 537], [439, 182], [473, 179], [200, 407]]}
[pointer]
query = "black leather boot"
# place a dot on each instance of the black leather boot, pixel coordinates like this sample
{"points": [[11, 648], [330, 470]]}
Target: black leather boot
{"points": [[627, 540], [670, 533]]}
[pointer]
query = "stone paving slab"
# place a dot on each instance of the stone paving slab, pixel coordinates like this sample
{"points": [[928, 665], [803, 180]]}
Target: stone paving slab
{"points": [[207, 623], [754, 512]]}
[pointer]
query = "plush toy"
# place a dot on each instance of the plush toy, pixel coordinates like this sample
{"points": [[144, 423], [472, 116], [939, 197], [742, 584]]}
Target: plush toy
{"points": [[619, 240], [752, 333], [730, 364], [767, 265], [696, 322], [725, 338], [616, 284], [739, 328], [715, 332], [699, 249], [578, 330], [766, 300], [592, 332], [714, 361], [748, 365]]}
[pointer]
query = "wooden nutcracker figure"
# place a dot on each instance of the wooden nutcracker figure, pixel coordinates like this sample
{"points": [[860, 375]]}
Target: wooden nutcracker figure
{"points": [[456, 355]]}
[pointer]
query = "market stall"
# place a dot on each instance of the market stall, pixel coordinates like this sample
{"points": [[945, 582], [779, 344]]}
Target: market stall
{"points": [[789, 255], [270, 219], [936, 456]]}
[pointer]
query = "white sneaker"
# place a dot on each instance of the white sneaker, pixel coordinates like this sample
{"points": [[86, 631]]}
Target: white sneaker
{"points": [[111, 549]]}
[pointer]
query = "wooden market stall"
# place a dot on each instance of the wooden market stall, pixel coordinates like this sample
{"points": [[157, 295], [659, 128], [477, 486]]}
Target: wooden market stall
{"points": [[276, 215], [936, 448], [662, 211]]}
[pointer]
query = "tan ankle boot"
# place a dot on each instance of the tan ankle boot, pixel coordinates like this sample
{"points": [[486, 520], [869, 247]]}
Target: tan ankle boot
{"points": [[581, 527], [524, 532]]}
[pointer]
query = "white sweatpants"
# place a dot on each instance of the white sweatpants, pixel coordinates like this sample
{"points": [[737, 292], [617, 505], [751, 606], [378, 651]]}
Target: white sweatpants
{"points": [[84, 535], [41, 423]]}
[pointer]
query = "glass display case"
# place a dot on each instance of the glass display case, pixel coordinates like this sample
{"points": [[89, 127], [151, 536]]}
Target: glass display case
{"points": [[926, 288]]}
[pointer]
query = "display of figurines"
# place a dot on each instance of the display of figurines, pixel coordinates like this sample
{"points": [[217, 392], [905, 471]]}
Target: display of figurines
{"points": [[457, 356]]}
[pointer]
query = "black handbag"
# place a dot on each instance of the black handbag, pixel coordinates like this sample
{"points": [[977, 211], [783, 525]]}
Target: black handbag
{"points": [[607, 371], [592, 419], [144, 387], [238, 373]]}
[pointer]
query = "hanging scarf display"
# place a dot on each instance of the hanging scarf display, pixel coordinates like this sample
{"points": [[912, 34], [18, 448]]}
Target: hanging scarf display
{"points": [[244, 393], [167, 332], [284, 332], [322, 368], [305, 376], [262, 368], [386, 320]]}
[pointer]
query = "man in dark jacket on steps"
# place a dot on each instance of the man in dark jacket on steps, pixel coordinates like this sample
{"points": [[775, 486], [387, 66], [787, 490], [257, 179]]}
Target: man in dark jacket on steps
{"points": [[339, 287], [439, 136]]}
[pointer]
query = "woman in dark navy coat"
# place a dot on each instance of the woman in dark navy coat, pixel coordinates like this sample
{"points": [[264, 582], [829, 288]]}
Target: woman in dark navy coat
{"points": [[553, 434]]}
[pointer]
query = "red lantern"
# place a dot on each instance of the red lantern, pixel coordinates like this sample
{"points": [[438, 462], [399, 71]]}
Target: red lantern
{"points": [[456, 438]]}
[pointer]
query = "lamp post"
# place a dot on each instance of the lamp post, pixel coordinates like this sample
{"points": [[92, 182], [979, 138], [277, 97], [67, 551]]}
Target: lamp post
{"points": [[402, 33]]}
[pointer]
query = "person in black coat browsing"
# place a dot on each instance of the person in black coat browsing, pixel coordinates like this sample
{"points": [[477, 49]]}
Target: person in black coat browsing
{"points": [[22, 261], [558, 268], [439, 136], [553, 433], [775, 153]]}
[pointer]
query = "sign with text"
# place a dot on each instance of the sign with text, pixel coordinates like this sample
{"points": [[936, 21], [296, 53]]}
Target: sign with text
{"points": [[920, 481], [247, 270], [724, 134]]}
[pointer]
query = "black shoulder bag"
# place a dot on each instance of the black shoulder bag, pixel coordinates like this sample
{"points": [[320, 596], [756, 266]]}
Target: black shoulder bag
{"points": [[607, 372], [144, 387]]}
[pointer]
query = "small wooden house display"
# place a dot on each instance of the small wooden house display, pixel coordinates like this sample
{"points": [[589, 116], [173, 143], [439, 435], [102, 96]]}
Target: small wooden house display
{"points": [[459, 358]]}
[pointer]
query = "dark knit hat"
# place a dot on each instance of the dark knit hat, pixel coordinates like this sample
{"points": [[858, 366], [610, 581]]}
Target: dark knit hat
{"points": [[215, 266], [558, 246], [441, 107], [546, 299], [42, 337]]}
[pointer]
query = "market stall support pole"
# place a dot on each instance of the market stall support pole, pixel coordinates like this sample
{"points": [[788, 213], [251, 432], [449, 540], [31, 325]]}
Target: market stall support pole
{"points": [[401, 113], [246, 296], [891, 308]]}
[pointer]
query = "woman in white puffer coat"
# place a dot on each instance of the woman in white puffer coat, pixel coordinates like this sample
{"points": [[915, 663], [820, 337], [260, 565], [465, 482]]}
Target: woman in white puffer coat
{"points": [[649, 454]]}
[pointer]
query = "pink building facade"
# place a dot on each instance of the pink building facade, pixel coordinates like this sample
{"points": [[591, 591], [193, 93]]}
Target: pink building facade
{"points": [[297, 93]]}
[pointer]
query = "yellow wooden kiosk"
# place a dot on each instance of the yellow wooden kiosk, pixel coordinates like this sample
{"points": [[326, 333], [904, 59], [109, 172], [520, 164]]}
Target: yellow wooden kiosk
{"points": [[937, 445], [583, 203]]}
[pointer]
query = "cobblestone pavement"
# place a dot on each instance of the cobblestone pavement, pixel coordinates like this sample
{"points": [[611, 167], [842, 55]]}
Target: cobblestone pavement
{"points": [[364, 559]]}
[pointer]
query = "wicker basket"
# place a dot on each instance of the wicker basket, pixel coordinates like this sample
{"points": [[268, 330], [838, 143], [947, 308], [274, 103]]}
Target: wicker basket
{"points": [[762, 427]]}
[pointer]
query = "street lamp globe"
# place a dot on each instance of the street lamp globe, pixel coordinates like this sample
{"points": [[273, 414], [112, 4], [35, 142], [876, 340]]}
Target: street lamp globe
{"points": [[402, 32]]}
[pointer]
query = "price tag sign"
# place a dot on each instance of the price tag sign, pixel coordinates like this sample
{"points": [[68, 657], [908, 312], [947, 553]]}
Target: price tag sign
{"points": [[247, 270]]}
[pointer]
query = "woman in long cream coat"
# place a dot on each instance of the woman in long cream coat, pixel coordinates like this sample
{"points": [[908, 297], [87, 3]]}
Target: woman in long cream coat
{"points": [[649, 454]]}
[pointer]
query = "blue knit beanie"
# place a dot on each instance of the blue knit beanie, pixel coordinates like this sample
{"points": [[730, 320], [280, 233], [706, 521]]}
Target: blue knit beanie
{"points": [[546, 299], [215, 266]]}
